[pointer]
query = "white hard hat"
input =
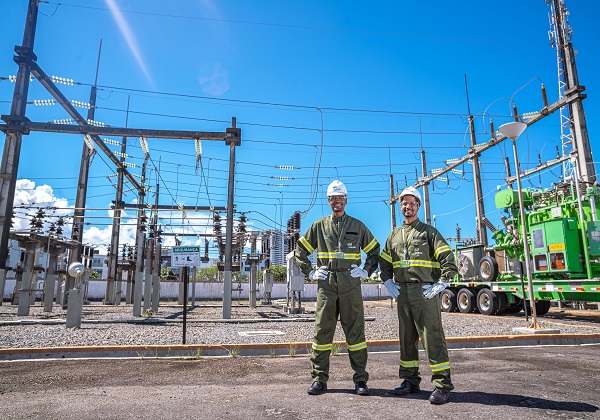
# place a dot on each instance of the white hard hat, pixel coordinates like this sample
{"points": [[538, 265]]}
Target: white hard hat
{"points": [[411, 191], [336, 188]]}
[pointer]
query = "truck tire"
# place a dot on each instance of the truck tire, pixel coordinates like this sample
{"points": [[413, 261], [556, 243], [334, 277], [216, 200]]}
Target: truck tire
{"points": [[465, 300], [502, 303], [542, 307], [448, 300], [488, 269], [487, 302]]}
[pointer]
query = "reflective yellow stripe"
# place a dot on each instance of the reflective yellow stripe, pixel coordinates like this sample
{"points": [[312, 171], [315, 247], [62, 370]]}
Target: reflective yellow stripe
{"points": [[416, 263], [440, 366], [358, 346], [308, 246], [371, 245], [409, 363], [321, 347], [325, 254], [423, 263], [386, 257], [334, 256], [351, 256], [443, 248]]}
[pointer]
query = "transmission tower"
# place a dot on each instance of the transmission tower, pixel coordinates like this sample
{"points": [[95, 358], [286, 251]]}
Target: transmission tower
{"points": [[573, 128]]}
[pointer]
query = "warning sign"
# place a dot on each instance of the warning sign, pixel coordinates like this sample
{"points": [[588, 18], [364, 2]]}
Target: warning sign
{"points": [[185, 256]]}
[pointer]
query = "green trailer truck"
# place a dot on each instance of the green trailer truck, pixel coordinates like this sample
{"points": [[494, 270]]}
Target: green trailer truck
{"points": [[563, 236]]}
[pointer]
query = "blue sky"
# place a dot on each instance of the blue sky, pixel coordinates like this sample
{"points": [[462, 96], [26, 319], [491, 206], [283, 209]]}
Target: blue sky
{"points": [[336, 89]]}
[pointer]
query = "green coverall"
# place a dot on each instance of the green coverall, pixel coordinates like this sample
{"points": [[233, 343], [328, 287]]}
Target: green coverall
{"points": [[338, 242], [416, 254]]}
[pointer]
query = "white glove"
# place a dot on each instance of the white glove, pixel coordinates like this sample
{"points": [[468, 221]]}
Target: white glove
{"points": [[392, 287], [320, 273], [359, 272], [431, 290]]}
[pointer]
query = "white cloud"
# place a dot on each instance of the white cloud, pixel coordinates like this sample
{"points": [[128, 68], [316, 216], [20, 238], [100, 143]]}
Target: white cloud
{"points": [[214, 79], [29, 198]]}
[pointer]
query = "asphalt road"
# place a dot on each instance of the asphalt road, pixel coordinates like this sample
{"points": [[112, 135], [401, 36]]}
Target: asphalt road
{"points": [[510, 383]]}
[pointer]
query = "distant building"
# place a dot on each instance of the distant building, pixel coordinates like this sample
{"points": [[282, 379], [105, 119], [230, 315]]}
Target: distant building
{"points": [[99, 265], [278, 247]]}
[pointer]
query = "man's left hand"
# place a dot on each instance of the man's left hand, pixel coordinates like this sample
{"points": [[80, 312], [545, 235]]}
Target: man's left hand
{"points": [[358, 272], [432, 290]]}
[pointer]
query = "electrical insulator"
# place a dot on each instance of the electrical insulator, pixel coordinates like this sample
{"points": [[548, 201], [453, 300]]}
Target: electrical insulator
{"points": [[296, 221], [242, 223], [216, 224]]}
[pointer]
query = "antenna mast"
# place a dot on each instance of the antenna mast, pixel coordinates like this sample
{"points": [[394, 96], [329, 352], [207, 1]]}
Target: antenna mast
{"points": [[574, 135]]}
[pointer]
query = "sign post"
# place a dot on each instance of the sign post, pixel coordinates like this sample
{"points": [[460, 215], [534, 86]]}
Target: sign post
{"points": [[185, 257]]}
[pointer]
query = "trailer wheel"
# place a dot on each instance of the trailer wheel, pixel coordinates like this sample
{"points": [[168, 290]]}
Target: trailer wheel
{"points": [[502, 303], [542, 307], [487, 302], [488, 269], [448, 300], [465, 300]]}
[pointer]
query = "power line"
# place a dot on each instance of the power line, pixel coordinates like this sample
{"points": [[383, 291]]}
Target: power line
{"points": [[301, 27]]}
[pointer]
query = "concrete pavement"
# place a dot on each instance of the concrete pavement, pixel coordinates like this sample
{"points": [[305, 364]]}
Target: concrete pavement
{"points": [[514, 382]]}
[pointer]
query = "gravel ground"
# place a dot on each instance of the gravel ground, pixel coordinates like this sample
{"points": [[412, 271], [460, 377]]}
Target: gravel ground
{"points": [[104, 325]]}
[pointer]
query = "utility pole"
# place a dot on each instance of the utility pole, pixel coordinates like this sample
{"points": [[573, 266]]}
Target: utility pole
{"points": [[157, 252], [392, 202], [426, 202], [148, 275], [140, 239], [479, 210], [113, 255], [80, 200], [14, 135], [232, 142], [253, 259]]}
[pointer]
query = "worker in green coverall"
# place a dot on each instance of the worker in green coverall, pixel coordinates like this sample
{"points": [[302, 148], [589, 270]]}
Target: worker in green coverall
{"points": [[416, 265], [338, 240]]}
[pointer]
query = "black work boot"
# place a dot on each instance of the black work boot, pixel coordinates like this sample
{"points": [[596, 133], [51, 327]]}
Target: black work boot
{"points": [[361, 388], [439, 396], [317, 388], [406, 388]]}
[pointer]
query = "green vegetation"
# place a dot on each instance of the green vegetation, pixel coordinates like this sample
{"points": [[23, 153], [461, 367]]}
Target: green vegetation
{"points": [[292, 348], [336, 349], [235, 351], [166, 274], [278, 271]]}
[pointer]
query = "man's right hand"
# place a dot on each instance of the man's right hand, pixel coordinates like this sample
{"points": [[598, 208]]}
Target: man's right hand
{"points": [[392, 287], [320, 273]]}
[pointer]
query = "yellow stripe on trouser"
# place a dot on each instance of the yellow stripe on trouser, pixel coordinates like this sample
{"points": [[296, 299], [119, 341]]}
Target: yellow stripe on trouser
{"points": [[440, 366], [321, 347], [409, 363], [357, 346]]}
